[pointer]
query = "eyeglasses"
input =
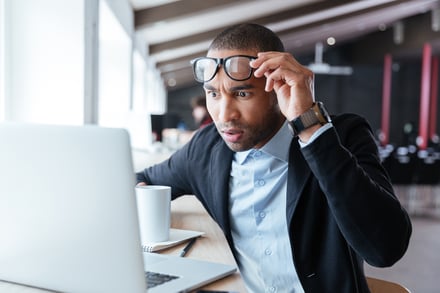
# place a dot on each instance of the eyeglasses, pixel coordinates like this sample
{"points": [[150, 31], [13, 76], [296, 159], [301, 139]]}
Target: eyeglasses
{"points": [[236, 67]]}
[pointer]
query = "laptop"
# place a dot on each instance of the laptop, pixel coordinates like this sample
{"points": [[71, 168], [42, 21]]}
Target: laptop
{"points": [[68, 217]]}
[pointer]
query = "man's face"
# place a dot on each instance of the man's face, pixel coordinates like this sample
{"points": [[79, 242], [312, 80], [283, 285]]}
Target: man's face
{"points": [[246, 116]]}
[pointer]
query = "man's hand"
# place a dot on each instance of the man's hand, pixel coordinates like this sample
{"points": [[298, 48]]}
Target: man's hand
{"points": [[293, 83]]}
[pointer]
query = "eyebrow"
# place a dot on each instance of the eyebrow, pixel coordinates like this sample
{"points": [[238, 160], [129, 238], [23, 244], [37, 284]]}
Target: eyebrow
{"points": [[232, 89]]}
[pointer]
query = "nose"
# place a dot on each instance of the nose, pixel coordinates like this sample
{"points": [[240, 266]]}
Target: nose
{"points": [[228, 110]]}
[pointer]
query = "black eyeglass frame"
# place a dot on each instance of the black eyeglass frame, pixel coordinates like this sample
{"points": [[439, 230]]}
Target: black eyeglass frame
{"points": [[221, 61]]}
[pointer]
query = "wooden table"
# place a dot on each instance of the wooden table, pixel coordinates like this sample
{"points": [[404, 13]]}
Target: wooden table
{"points": [[187, 213]]}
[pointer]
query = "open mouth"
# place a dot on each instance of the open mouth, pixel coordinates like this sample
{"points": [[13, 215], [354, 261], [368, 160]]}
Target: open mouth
{"points": [[232, 135]]}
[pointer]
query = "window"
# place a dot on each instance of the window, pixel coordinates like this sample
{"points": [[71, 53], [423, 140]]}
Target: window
{"points": [[115, 49], [2, 61]]}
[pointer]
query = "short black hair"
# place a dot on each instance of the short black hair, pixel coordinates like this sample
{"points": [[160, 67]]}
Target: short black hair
{"points": [[248, 36]]}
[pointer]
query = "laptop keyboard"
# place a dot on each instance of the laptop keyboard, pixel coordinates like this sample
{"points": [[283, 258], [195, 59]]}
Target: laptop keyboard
{"points": [[155, 279]]}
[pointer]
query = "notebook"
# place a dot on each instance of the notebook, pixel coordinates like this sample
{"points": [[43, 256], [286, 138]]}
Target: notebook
{"points": [[177, 236], [68, 218]]}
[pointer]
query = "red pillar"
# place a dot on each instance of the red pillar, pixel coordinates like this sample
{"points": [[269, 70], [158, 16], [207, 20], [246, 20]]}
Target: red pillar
{"points": [[386, 100], [433, 104], [424, 97]]}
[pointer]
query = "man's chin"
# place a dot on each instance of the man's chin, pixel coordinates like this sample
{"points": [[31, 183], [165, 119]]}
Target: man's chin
{"points": [[237, 147]]}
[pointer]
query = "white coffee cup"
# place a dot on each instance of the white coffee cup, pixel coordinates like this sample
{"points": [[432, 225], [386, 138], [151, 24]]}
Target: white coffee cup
{"points": [[154, 211]]}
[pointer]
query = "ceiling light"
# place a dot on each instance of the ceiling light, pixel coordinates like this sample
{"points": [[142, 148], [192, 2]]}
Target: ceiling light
{"points": [[171, 82], [382, 27], [331, 41]]}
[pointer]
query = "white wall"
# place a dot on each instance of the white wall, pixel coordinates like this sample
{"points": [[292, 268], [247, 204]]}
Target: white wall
{"points": [[44, 58], [71, 62]]}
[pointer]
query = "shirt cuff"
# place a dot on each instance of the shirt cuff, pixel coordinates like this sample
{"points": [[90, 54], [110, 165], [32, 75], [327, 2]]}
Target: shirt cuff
{"points": [[315, 135]]}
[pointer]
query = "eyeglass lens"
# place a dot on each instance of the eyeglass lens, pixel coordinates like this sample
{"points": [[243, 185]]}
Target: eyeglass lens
{"points": [[236, 67]]}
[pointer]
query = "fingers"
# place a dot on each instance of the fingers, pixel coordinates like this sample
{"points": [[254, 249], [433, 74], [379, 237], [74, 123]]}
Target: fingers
{"points": [[291, 81], [280, 67]]}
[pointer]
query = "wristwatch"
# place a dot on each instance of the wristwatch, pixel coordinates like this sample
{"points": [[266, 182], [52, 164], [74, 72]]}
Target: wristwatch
{"points": [[315, 115]]}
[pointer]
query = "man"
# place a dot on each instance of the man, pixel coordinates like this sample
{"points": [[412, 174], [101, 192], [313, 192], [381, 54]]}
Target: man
{"points": [[303, 201]]}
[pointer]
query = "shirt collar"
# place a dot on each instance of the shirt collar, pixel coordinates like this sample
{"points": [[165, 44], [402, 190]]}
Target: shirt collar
{"points": [[278, 146]]}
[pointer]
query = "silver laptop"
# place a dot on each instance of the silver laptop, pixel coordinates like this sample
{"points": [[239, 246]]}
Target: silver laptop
{"points": [[68, 218]]}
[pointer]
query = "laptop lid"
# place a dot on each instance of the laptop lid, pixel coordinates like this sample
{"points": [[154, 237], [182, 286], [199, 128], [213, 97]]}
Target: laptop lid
{"points": [[68, 218]]}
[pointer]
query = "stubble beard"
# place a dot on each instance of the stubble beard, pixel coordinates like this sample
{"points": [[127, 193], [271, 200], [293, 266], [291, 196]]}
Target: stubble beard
{"points": [[254, 136]]}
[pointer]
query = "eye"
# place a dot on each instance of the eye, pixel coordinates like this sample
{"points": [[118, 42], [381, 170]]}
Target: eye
{"points": [[243, 94], [212, 94]]}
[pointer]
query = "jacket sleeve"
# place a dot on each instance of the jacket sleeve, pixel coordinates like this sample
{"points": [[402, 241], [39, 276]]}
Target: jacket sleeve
{"points": [[167, 173], [345, 161], [185, 171]]}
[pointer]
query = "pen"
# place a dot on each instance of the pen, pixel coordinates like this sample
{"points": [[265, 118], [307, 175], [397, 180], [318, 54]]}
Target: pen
{"points": [[188, 246]]}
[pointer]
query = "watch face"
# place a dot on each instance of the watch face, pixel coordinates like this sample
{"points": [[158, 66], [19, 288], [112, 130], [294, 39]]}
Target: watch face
{"points": [[311, 117], [324, 117], [315, 115]]}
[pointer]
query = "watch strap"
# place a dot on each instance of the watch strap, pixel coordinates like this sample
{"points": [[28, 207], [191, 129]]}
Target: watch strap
{"points": [[315, 115]]}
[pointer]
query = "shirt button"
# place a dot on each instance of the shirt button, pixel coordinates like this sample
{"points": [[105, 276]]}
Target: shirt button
{"points": [[272, 289], [261, 182], [262, 214], [257, 154], [268, 251]]}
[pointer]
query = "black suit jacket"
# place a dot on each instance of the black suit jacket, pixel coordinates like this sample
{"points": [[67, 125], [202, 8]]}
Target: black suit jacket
{"points": [[341, 208]]}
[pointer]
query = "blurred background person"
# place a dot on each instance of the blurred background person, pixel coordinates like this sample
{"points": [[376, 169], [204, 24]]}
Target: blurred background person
{"points": [[199, 111]]}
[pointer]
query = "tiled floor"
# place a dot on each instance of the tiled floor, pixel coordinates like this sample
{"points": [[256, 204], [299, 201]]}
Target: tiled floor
{"points": [[419, 269]]}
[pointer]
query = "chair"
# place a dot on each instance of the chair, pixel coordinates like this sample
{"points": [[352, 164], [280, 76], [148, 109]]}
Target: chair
{"points": [[382, 286]]}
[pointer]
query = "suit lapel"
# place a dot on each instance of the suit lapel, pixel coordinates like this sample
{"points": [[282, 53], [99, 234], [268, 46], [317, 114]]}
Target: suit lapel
{"points": [[298, 174], [220, 173]]}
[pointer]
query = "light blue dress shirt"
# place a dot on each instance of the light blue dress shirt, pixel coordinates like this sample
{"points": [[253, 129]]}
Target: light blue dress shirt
{"points": [[258, 185]]}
